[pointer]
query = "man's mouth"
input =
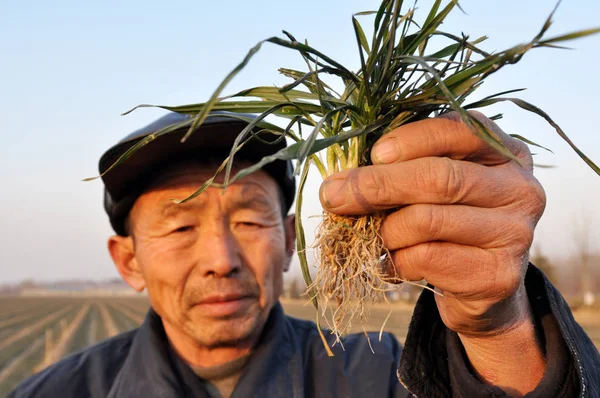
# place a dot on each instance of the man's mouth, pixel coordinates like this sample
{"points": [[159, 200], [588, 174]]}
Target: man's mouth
{"points": [[224, 305]]}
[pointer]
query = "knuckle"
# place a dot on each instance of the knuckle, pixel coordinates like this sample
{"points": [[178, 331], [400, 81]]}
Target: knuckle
{"points": [[514, 235], [539, 199], [526, 231], [424, 254], [522, 152], [370, 187], [521, 149], [522, 236], [450, 180], [454, 128], [489, 123], [436, 135], [413, 260], [533, 198], [368, 181], [507, 282], [508, 274], [478, 115], [427, 220], [381, 187], [392, 228], [452, 115]]}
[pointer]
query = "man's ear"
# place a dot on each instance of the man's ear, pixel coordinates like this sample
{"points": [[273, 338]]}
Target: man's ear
{"points": [[290, 238], [122, 251]]}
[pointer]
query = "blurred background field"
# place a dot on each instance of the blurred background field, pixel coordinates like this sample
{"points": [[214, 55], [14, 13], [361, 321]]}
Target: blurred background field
{"points": [[58, 290], [36, 331]]}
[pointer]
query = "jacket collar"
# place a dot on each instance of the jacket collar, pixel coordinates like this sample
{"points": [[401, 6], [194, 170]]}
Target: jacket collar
{"points": [[152, 369], [148, 370]]}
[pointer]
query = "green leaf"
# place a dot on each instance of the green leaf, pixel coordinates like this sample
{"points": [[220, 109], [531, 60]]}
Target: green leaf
{"points": [[382, 8], [547, 23], [446, 51], [304, 48], [300, 236], [365, 13], [534, 109], [514, 90], [554, 46], [289, 108], [391, 38], [203, 113], [478, 68], [432, 13], [360, 34], [470, 45], [381, 29], [146, 140], [208, 183], [291, 152], [477, 128], [480, 39], [306, 79], [365, 89], [244, 133], [570, 36], [278, 94], [430, 27], [527, 141], [306, 148], [250, 119]]}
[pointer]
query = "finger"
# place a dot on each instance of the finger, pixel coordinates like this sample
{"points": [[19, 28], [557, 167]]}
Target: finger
{"points": [[446, 136], [425, 180], [464, 225], [468, 272]]}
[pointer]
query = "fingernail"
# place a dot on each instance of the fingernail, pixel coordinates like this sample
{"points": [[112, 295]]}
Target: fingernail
{"points": [[333, 193], [385, 151]]}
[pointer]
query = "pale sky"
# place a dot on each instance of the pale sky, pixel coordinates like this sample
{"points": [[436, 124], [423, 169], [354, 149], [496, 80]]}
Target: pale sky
{"points": [[70, 68]]}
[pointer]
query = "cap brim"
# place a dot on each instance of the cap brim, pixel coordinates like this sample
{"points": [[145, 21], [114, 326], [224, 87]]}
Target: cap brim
{"points": [[214, 138]]}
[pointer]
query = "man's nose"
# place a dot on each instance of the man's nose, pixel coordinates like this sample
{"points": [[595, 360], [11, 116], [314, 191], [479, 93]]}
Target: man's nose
{"points": [[221, 255]]}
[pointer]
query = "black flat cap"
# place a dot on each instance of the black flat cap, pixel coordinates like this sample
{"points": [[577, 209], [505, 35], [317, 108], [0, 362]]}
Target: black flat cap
{"points": [[215, 137]]}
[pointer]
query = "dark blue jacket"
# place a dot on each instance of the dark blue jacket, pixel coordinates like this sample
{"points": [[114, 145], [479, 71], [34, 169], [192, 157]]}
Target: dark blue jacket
{"points": [[290, 361]]}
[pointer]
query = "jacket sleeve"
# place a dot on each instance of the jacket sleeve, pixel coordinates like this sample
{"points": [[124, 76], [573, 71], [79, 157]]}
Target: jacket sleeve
{"points": [[433, 362]]}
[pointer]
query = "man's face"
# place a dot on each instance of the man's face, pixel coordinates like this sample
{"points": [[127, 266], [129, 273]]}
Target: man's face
{"points": [[213, 267]]}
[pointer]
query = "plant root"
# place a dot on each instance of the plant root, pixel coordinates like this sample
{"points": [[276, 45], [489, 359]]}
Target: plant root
{"points": [[353, 269]]}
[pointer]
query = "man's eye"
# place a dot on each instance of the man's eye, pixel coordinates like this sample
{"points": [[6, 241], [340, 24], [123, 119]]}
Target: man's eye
{"points": [[248, 224], [185, 228]]}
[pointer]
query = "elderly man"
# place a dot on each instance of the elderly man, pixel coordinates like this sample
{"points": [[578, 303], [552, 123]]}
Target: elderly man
{"points": [[213, 268]]}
